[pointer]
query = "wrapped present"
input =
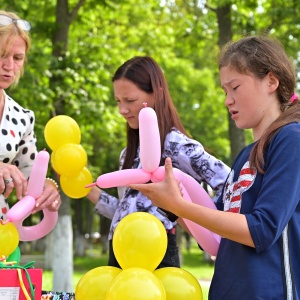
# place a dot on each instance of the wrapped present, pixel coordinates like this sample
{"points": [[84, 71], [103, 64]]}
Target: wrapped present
{"points": [[20, 282]]}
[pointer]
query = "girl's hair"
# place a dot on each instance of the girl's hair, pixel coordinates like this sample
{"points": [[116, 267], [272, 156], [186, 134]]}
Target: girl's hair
{"points": [[8, 35], [257, 56], [146, 74]]}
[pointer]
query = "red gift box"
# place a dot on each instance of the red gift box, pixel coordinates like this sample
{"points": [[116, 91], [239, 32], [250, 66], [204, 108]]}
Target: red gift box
{"points": [[10, 287]]}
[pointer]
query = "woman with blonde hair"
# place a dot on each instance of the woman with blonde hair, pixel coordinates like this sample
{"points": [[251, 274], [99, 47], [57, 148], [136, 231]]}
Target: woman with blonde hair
{"points": [[17, 139]]}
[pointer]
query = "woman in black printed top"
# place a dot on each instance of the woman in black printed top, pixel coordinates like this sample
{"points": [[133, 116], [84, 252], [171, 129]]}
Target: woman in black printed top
{"points": [[140, 80]]}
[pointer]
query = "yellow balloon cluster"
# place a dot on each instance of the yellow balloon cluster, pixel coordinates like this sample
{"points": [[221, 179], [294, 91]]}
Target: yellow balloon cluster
{"points": [[140, 243], [68, 157]]}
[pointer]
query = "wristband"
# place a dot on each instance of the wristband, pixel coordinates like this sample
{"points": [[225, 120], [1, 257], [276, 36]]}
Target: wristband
{"points": [[53, 182], [172, 217]]}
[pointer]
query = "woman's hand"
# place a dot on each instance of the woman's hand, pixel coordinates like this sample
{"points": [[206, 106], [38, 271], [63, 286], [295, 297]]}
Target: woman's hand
{"points": [[11, 177], [166, 194], [49, 198]]}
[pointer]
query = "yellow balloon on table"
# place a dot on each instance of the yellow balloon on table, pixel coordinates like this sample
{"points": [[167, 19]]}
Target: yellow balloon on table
{"points": [[93, 285], [140, 240], [74, 185], [69, 159], [9, 239], [61, 130], [179, 284], [136, 284]]}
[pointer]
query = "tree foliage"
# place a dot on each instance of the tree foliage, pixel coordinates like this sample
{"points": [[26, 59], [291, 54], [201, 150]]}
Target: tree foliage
{"points": [[183, 36]]}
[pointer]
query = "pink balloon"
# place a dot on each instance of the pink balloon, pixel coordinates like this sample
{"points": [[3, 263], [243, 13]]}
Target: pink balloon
{"points": [[150, 147], [208, 240], [123, 178], [22, 209], [150, 155], [195, 193], [35, 232], [38, 174]]}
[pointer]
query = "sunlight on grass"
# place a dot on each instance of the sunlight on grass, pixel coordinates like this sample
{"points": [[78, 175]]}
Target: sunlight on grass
{"points": [[193, 262]]}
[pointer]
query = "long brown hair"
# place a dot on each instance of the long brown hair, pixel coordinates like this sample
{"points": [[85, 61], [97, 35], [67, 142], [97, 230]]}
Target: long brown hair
{"points": [[146, 74], [257, 56]]}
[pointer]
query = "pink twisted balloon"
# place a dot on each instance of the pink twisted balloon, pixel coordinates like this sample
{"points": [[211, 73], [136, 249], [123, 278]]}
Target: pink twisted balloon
{"points": [[150, 154], [22, 209]]}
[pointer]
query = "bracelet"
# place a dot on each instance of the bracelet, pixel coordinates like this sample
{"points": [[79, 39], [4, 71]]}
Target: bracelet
{"points": [[53, 182]]}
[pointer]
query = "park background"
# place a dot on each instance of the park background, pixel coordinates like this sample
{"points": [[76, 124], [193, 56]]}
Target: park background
{"points": [[76, 47]]}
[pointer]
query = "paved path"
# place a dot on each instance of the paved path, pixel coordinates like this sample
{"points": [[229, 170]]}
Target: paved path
{"points": [[39, 260]]}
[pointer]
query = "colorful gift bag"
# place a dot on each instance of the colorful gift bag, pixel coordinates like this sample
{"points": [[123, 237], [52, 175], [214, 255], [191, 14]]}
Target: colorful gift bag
{"points": [[20, 282]]}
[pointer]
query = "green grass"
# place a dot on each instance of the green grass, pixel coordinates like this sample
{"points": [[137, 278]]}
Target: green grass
{"points": [[193, 262]]}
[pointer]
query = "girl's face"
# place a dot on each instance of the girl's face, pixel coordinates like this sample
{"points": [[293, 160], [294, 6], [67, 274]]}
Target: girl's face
{"points": [[12, 62], [130, 100], [252, 102]]}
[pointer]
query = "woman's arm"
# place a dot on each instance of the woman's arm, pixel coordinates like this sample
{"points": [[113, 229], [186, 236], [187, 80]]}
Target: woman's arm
{"points": [[94, 194], [190, 157]]}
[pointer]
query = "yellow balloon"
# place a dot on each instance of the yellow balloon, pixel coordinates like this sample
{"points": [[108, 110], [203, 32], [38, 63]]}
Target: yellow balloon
{"points": [[136, 284], [74, 185], [52, 160], [70, 159], [140, 240], [93, 285], [9, 239], [179, 284], [61, 130]]}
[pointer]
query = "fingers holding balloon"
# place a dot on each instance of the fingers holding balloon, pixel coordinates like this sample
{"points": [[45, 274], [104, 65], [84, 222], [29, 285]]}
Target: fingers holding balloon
{"points": [[55, 205], [163, 193], [11, 177], [49, 198]]}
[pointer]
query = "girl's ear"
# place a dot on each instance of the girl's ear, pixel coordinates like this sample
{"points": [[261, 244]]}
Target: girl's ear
{"points": [[272, 81]]}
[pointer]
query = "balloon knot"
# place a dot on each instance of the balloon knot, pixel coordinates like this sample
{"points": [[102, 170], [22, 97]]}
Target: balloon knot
{"points": [[145, 104], [90, 185]]}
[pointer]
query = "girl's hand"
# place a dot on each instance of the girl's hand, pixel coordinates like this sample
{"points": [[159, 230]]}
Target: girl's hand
{"points": [[11, 177], [166, 194]]}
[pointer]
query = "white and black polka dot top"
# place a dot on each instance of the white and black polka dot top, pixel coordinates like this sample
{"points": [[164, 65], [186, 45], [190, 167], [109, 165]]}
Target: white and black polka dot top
{"points": [[17, 139]]}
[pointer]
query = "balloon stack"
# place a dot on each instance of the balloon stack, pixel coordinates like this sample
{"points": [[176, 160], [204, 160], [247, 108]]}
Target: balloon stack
{"points": [[140, 243], [23, 208], [150, 155], [68, 158]]}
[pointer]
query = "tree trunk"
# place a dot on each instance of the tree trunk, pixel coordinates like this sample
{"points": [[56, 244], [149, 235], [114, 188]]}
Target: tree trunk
{"points": [[63, 233], [236, 135], [63, 249]]}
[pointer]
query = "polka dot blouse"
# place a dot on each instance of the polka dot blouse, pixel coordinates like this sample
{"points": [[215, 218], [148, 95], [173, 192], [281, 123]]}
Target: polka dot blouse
{"points": [[17, 140]]}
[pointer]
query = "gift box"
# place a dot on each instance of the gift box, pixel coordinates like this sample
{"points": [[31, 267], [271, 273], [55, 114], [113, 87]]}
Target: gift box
{"points": [[11, 285]]}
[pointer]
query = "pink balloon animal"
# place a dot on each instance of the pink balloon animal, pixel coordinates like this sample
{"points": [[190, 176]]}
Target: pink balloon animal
{"points": [[22, 209], [150, 154]]}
